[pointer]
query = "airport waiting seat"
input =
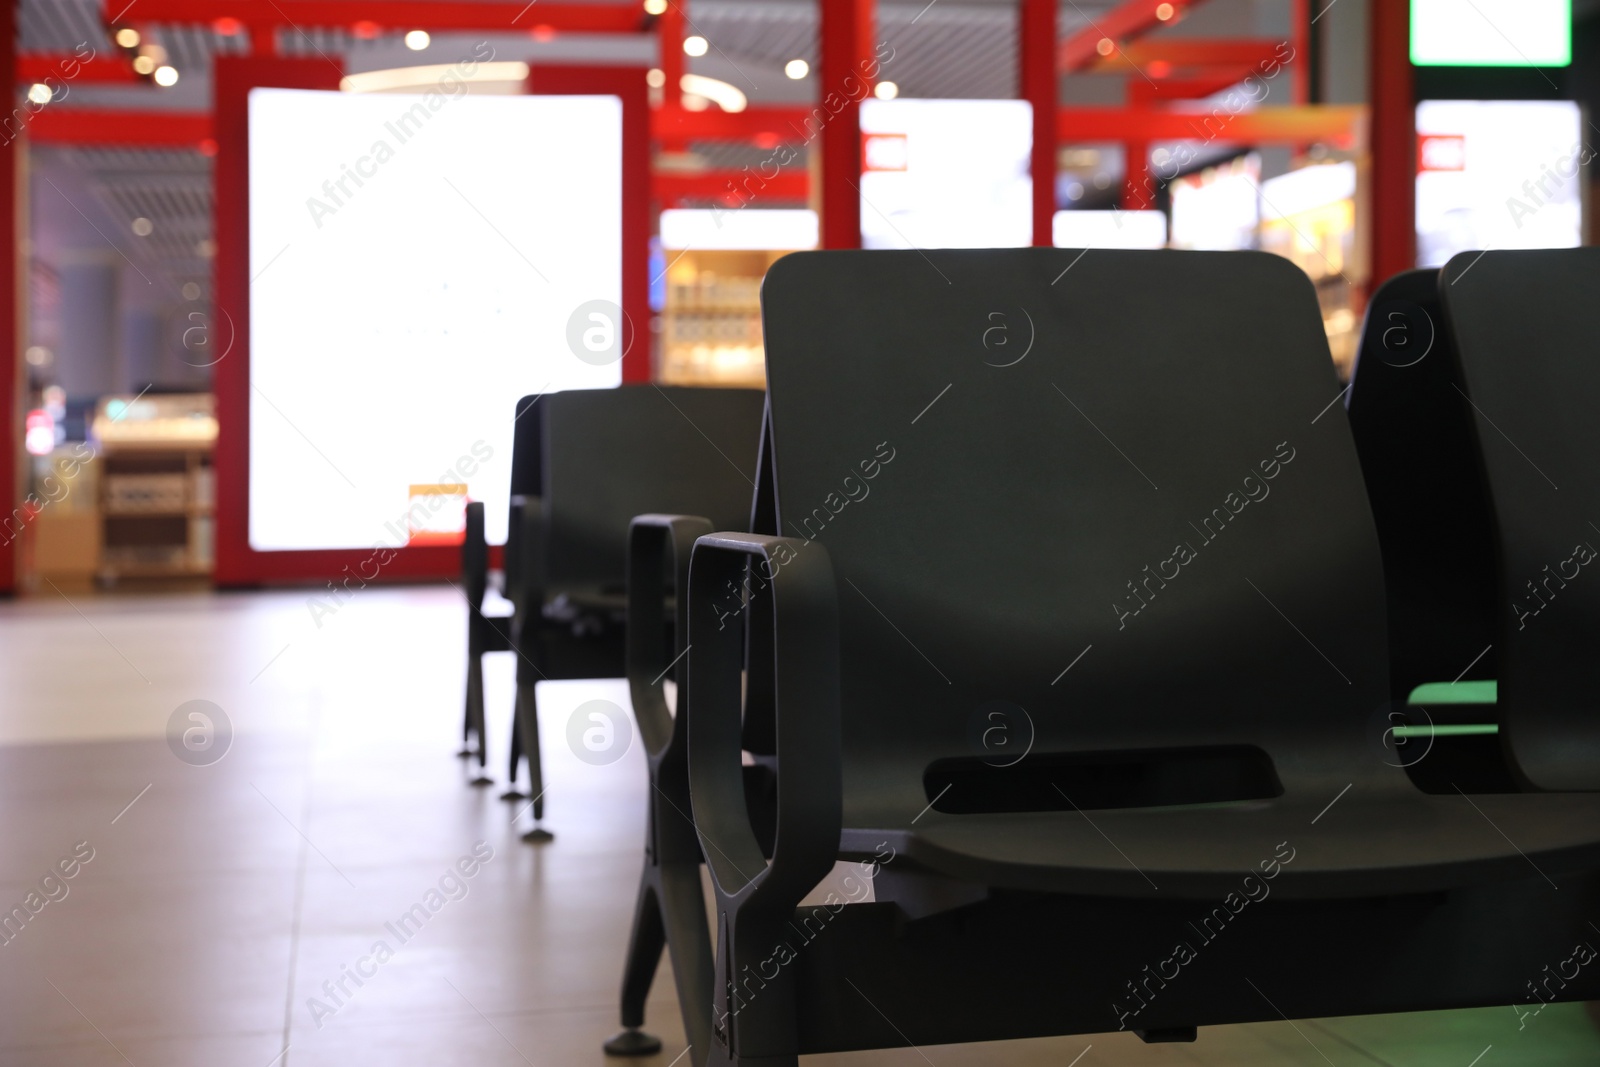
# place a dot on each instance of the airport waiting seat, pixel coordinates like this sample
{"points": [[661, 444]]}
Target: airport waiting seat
{"points": [[1524, 324], [606, 456], [670, 911], [485, 632], [1126, 543], [1412, 425]]}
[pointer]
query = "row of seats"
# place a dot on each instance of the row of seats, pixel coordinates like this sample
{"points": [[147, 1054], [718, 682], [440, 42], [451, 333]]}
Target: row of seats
{"points": [[1148, 690]]}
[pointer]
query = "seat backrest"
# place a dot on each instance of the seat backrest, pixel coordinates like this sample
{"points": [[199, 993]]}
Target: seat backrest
{"points": [[611, 454], [527, 442], [1085, 489], [1413, 432], [1525, 324]]}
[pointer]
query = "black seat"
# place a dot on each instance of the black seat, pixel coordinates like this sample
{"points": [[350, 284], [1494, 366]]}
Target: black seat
{"points": [[1413, 431], [1525, 324], [608, 455], [492, 632], [1126, 541]]}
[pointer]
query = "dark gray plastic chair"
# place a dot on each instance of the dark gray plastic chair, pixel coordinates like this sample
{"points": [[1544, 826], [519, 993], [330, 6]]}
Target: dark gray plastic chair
{"points": [[1525, 325], [608, 455], [1412, 425], [1077, 642], [492, 633]]}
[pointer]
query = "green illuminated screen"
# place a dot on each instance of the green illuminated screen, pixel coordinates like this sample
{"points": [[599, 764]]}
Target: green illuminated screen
{"points": [[1491, 33]]}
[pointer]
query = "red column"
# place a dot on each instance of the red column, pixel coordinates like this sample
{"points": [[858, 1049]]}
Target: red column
{"points": [[1137, 189], [1394, 140], [847, 69], [10, 367], [1036, 35], [669, 32]]}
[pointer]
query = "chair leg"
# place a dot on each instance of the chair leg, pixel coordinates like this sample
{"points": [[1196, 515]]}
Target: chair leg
{"points": [[649, 937], [528, 725], [683, 911], [472, 719], [512, 792]]}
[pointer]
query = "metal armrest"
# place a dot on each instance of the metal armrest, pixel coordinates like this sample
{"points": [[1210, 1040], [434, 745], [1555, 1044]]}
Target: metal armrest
{"points": [[524, 556], [474, 557], [793, 578], [649, 538]]}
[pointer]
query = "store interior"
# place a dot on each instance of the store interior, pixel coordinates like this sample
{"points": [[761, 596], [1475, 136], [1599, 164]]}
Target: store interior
{"points": [[287, 276]]}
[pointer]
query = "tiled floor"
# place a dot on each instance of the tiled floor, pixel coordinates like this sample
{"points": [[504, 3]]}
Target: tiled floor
{"points": [[219, 899]]}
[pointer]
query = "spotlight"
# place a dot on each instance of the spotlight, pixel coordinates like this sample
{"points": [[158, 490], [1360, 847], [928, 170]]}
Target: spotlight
{"points": [[143, 227], [227, 26], [128, 37], [886, 90], [655, 77], [143, 65], [655, 7], [166, 77], [1164, 12], [797, 68], [40, 93], [1105, 46], [365, 29], [695, 46], [191, 291], [417, 40]]}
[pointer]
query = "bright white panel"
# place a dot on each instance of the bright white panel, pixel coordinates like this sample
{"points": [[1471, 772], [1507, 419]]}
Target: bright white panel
{"points": [[418, 263], [1497, 174], [946, 173], [1491, 33], [751, 229], [1307, 189], [1219, 208], [1109, 229]]}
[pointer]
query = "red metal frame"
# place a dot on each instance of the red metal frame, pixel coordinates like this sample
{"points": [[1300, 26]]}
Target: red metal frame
{"points": [[1338, 125], [237, 564], [1189, 54], [433, 15], [1037, 37], [847, 70], [1394, 140], [721, 185], [153, 129], [1121, 24], [40, 66]]}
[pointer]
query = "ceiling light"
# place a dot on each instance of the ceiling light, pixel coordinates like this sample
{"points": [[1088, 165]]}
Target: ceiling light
{"points": [[691, 102], [655, 77], [797, 68], [40, 93], [166, 77], [417, 40], [1105, 46], [205, 248], [143, 227], [416, 79], [365, 29], [128, 37], [1075, 191], [726, 96], [191, 291], [1164, 12], [143, 65], [655, 7], [886, 90], [695, 46], [227, 26], [544, 33]]}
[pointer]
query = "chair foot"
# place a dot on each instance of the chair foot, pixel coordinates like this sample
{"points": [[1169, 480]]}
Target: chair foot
{"points": [[513, 794], [466, 753], [633, 1042], [538, 836], [481, 781]]}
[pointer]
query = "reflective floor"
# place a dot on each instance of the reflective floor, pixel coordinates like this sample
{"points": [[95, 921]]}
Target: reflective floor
{"points": [[331, 891]]}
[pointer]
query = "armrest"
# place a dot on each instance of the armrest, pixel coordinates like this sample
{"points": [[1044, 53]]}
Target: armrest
{"points": [[793, 580], [524, 555], [474, 557], [648, 659]]}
